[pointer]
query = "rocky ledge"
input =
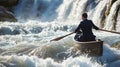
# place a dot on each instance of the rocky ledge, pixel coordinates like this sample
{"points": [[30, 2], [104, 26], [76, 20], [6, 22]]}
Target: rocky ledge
{"points": [[8, 3], [6, 15], [6, 10]]}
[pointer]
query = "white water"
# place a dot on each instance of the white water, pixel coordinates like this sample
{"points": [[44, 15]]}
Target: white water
{"points": [[26, 42]]}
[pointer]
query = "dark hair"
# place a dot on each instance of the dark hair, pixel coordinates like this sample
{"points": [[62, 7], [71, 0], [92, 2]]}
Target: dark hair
{"points": [[84, 15]]}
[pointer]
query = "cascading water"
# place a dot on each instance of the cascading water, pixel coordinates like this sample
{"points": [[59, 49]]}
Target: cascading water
{"points": [[111, 20], [26, 43], [118, 20], [37, 9]]}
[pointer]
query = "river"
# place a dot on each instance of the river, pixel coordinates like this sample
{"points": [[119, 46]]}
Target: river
{"points": [[26, 43]]}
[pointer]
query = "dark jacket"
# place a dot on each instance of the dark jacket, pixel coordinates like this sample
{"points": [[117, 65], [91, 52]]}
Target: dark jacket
{"points": [[85, 27]]}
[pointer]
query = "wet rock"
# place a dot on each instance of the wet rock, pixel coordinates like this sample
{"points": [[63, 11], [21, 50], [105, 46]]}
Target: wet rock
{"points": [[9, 31], [116, 45], [5, 30], [6, 15], [15, 32], [8, 3], [36, 30]]}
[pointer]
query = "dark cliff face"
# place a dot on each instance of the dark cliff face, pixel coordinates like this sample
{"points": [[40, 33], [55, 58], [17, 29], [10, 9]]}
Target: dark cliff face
{"points": [[6, 15], [6, 9], [8, 3]]}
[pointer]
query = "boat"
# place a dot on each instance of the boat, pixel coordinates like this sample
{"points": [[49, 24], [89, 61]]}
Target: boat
{"points": [[92, 48]]}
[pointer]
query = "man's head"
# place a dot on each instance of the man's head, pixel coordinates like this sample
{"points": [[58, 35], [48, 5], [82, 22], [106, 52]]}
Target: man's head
{"points": [[84, 16]]}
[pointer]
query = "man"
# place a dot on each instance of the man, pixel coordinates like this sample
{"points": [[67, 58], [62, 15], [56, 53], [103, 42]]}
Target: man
{"points": [[86, 27]]}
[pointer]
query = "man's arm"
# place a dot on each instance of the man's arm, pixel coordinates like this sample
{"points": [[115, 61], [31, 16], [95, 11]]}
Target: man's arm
{"points": [[78, 29], [94, 26]]}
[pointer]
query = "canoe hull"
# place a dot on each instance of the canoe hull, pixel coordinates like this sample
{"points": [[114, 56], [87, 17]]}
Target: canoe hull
{"points": [[92, 48]]}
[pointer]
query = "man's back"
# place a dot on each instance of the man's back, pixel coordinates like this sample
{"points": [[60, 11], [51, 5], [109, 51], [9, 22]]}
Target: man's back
{"points": [[86, 27]]}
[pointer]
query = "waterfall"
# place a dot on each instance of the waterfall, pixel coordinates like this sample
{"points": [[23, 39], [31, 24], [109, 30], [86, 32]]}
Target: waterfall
{"points": [[118, 21], [35, 6], [70, 11], [111, 19], [37, 9], [63, 9], [99, 13]]}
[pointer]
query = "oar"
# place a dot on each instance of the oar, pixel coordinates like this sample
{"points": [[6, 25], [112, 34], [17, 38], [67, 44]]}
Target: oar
{"points": [[110, 31], [59, 38]]}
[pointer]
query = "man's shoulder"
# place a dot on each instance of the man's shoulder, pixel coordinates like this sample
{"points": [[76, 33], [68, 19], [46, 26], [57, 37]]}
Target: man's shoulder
{"points": [[90, 20], [82, 22]]}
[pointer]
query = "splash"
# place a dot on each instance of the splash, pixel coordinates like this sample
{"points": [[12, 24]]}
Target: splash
{"points": [[25, 61]]}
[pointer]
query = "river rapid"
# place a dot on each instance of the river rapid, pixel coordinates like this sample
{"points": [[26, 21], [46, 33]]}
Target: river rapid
{"points": [[26, 43]]}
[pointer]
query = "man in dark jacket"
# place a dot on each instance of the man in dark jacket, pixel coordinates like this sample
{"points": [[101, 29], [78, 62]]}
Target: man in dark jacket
{"points": [[86, 27]]}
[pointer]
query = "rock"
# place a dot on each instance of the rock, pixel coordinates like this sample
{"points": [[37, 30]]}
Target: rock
{"points": [[15, 32], [5, 31], [8, 3], [116, 45], [6, 15]]}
